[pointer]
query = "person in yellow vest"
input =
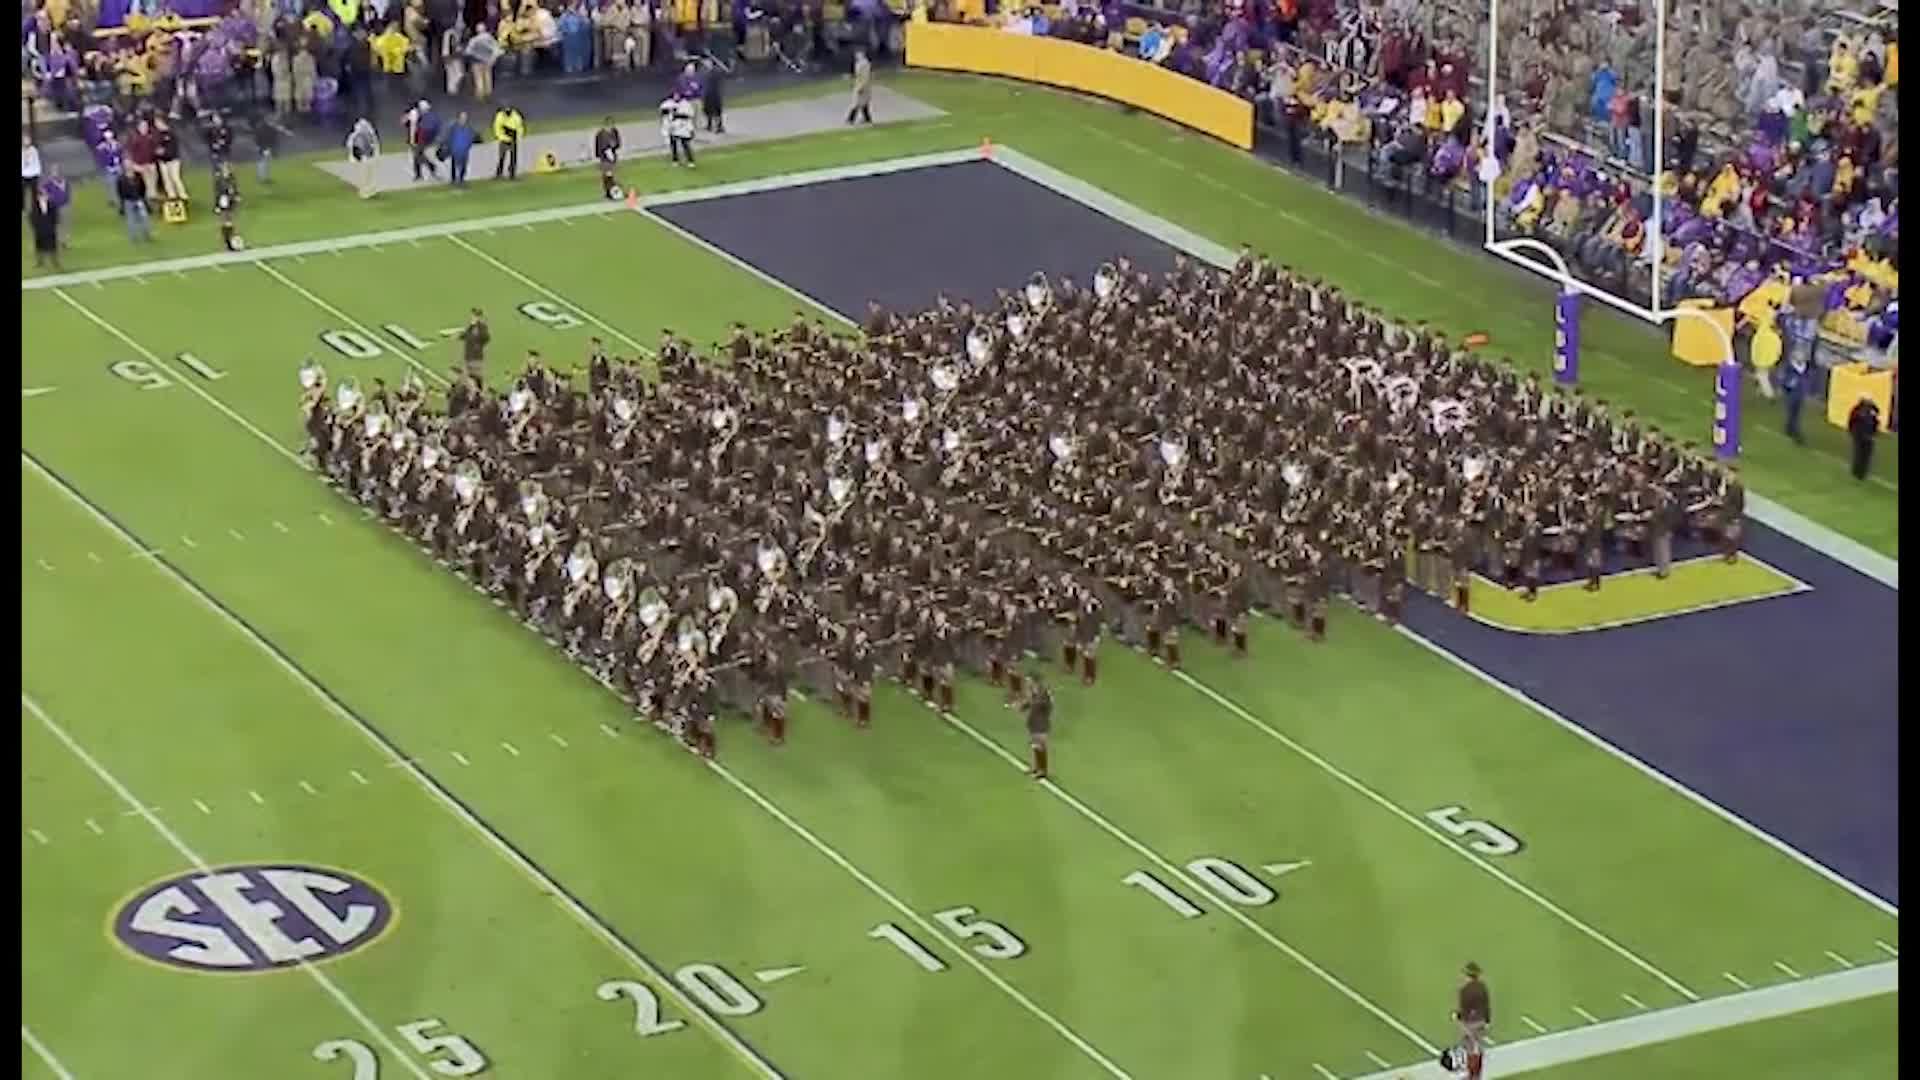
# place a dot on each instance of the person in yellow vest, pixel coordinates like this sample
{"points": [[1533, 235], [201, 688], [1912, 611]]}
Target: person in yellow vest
{"points": [[1764, 352], [346, 12], [390, 48], [509, 127]]}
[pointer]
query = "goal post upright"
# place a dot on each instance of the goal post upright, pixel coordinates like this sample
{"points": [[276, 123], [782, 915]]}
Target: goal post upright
{"points": [[1725, 426]]}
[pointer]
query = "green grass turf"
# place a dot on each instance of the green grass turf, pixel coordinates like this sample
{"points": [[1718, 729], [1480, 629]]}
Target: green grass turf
{"points": [[1623, 598], [1305, 754], [1218, 192], [1856, 1041]]}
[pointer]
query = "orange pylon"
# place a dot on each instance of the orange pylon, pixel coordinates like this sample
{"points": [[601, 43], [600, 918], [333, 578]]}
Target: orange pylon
{"points": [[633, 199]]}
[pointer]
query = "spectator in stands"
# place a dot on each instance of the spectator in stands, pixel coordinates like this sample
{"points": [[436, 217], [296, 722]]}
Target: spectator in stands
{"points": [[482, 50]]}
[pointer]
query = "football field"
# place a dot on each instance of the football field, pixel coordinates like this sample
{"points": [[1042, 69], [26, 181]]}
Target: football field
{"points": [[300, 802]]}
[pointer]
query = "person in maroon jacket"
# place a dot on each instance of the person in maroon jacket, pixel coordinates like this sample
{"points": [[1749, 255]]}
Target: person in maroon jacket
{"points": [[142, 154]]}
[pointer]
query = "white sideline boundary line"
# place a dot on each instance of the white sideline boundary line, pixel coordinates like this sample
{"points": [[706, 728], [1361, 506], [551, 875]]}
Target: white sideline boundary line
{"points": [[45, 1055], [530, 217], [1681, 1021], [726, 1037], [1196, 889], [1815, 536], [1662, 778], [172, 838]]}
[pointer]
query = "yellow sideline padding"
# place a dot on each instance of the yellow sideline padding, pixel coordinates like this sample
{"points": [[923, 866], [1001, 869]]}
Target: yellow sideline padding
{"points": [[1089, 70]]}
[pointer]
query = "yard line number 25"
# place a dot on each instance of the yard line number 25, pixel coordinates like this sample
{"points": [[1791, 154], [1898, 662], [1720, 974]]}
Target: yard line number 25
{"points": [[445, 1052]]}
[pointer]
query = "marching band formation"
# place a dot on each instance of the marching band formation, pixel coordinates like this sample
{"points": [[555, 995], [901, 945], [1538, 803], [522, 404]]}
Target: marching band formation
{"points": [[963, 488]]}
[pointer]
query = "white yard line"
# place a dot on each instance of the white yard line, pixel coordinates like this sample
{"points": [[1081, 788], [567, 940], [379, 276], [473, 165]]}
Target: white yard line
{"points": [[503, 847], [523, 279], [933, 933], [1195, 889], [45, 1055], [173, 839], [411, 360], [1667, 781], [191, 384], [1437, 836], [1665, 1025]]}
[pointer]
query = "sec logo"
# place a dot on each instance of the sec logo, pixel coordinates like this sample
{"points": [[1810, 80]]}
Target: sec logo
{"points": [[252, 918]]}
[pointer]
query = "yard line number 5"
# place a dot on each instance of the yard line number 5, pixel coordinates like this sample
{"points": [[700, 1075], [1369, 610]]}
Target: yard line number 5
{"points": [[445, 1052], [1482, 836]]}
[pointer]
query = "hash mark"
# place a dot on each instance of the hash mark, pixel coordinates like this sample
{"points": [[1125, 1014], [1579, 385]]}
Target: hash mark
{"points": [[1888, 949], [1633, 1001], [1737, 980], [40, 836], [235, 533], [461, 758], [509, 748], [1530, 1022], [281, 527], [609, 731], [93, 557], [1322, 1070], [1378, 1060], [255, 796], [202, 807], [188, 540], [325, 520], [1838, 959], [1790, 973], [45, 565], [308, 788], [355, 773], [95, 826], [556, 738], [1585, 1015]]}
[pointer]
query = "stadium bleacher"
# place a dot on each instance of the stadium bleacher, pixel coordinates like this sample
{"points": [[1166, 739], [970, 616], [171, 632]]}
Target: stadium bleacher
{"points": [[1781, 154]]}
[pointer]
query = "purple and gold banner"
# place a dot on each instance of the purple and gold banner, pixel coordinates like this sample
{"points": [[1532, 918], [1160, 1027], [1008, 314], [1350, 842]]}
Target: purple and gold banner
{"points": [[1566, 338], [1726, 411]]}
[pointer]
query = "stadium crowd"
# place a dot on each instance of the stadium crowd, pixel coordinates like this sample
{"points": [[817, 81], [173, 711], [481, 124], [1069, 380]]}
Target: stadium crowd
{"points": [[1782, 149], [961, 487]]}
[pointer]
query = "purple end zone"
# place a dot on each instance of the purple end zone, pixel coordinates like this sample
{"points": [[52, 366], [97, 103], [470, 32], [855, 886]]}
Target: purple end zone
{"points": [[904, 238], [1781, 711]]}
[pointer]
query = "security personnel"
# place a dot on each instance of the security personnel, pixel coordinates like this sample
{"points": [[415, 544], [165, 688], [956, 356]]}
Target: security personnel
{"points": [[509, 127]]}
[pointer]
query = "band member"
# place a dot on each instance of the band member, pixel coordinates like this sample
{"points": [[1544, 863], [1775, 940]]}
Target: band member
{"points": [[775, 681], [473, 345], [1473, 1011], [1039, 706], [1087, 631]]}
